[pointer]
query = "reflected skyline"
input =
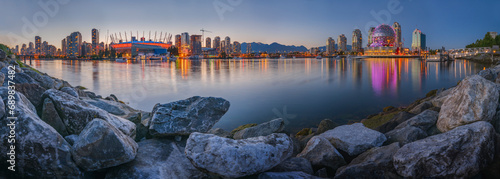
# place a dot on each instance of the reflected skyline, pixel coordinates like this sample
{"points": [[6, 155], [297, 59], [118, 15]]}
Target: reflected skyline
{"points": [[339, 89]]}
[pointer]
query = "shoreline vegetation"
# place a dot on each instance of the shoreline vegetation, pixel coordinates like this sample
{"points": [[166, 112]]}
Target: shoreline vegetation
{"points": [[68, 132]]}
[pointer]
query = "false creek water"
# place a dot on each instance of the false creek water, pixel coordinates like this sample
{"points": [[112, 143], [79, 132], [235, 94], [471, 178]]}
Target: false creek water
{"points": [[304, 91]]}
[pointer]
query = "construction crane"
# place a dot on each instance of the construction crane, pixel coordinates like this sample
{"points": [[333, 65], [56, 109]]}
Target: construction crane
{"points": [[203, 35]]}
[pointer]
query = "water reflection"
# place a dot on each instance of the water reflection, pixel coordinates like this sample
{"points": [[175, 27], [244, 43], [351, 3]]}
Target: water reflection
{"points": [[339, 89]]}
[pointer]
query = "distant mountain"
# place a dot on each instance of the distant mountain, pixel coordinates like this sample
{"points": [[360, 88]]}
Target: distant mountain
{"points": [[272, 48], [323, 48]]}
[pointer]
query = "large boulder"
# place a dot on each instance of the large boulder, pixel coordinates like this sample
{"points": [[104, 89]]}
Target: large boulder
{"points": [[325, 125], [286, 175], [76, 113], [474, 99], [100, 145], [195, 114], [70, 91], [395, 121], [237, 158], [18, 79], [354, 139], [157, 159], [112, 107], [50, 116], [33, 92], [273, 126], [294, 164], [321, 153], [414, 128], [459, 153], [43, 80], [374, 163], [40, 152], [219, 132], [3, 55]]}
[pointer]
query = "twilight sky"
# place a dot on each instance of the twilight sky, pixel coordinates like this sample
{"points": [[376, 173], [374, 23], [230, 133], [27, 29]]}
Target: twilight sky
{"points": [[449, 23]]}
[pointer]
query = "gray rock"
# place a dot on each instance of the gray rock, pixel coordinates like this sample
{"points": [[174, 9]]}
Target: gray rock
{"points": [[76, 113], [325, 125], [440, 97], [286, 175], [40, 152], [19, 78], [100, 145], [421, 107], [424, 120], [157, 159], [2, 78], [321, 153], [91, 94], [112, 107], [474, 99], [71, 139], [273, 126], [496, 121], [45, 81], [195, 114], [2, 109], [354, 139], [323, 173], [414, 128], [458, 153], [294, 164], [237, 158], [50, 116], [32, 91], [405, 135], [374, 163], [395, 121], [3, 55], [70, 91], [488, 74], [219, 132]]}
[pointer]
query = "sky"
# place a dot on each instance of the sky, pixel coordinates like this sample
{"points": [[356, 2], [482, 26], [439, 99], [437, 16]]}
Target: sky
{"points": [[448, 23]]}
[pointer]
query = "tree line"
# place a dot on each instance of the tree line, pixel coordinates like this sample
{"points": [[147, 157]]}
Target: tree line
{"points": [[487, 41]]}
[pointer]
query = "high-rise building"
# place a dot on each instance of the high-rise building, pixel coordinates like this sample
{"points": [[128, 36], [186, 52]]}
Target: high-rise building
{"points": [[38, 45], [31, 49], [185, 44], [51, 50], [370, 36], [223, 46], [63, 47], [330, 46], [208, 42], [178, 41], [196, 44], [418, 40], [357, 41], [228, 47], [217, 44], [249, 48], [45, 48], [342, 43], [24, 50], [236, 47], [74, 47], [397, 29], [95, 41]]}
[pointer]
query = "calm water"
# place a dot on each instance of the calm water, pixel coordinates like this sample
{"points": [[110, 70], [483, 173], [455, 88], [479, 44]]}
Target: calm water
{"points": [[304, 91]]}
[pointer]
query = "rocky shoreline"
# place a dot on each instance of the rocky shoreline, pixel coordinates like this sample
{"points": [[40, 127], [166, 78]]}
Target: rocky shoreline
{"points": [[67, 132]]}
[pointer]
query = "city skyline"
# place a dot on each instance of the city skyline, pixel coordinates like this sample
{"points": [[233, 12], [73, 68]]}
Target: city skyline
{"points": [[301, 23]]}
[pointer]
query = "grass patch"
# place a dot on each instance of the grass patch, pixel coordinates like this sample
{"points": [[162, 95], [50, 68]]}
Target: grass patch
{"points": [[388, 108], [431, 93], [22, 65], [81, 87], [378, 120], [241, 128], [304, 132]]}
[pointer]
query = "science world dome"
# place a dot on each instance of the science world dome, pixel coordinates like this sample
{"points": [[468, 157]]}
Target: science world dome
{"points": [[383, 36]]}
